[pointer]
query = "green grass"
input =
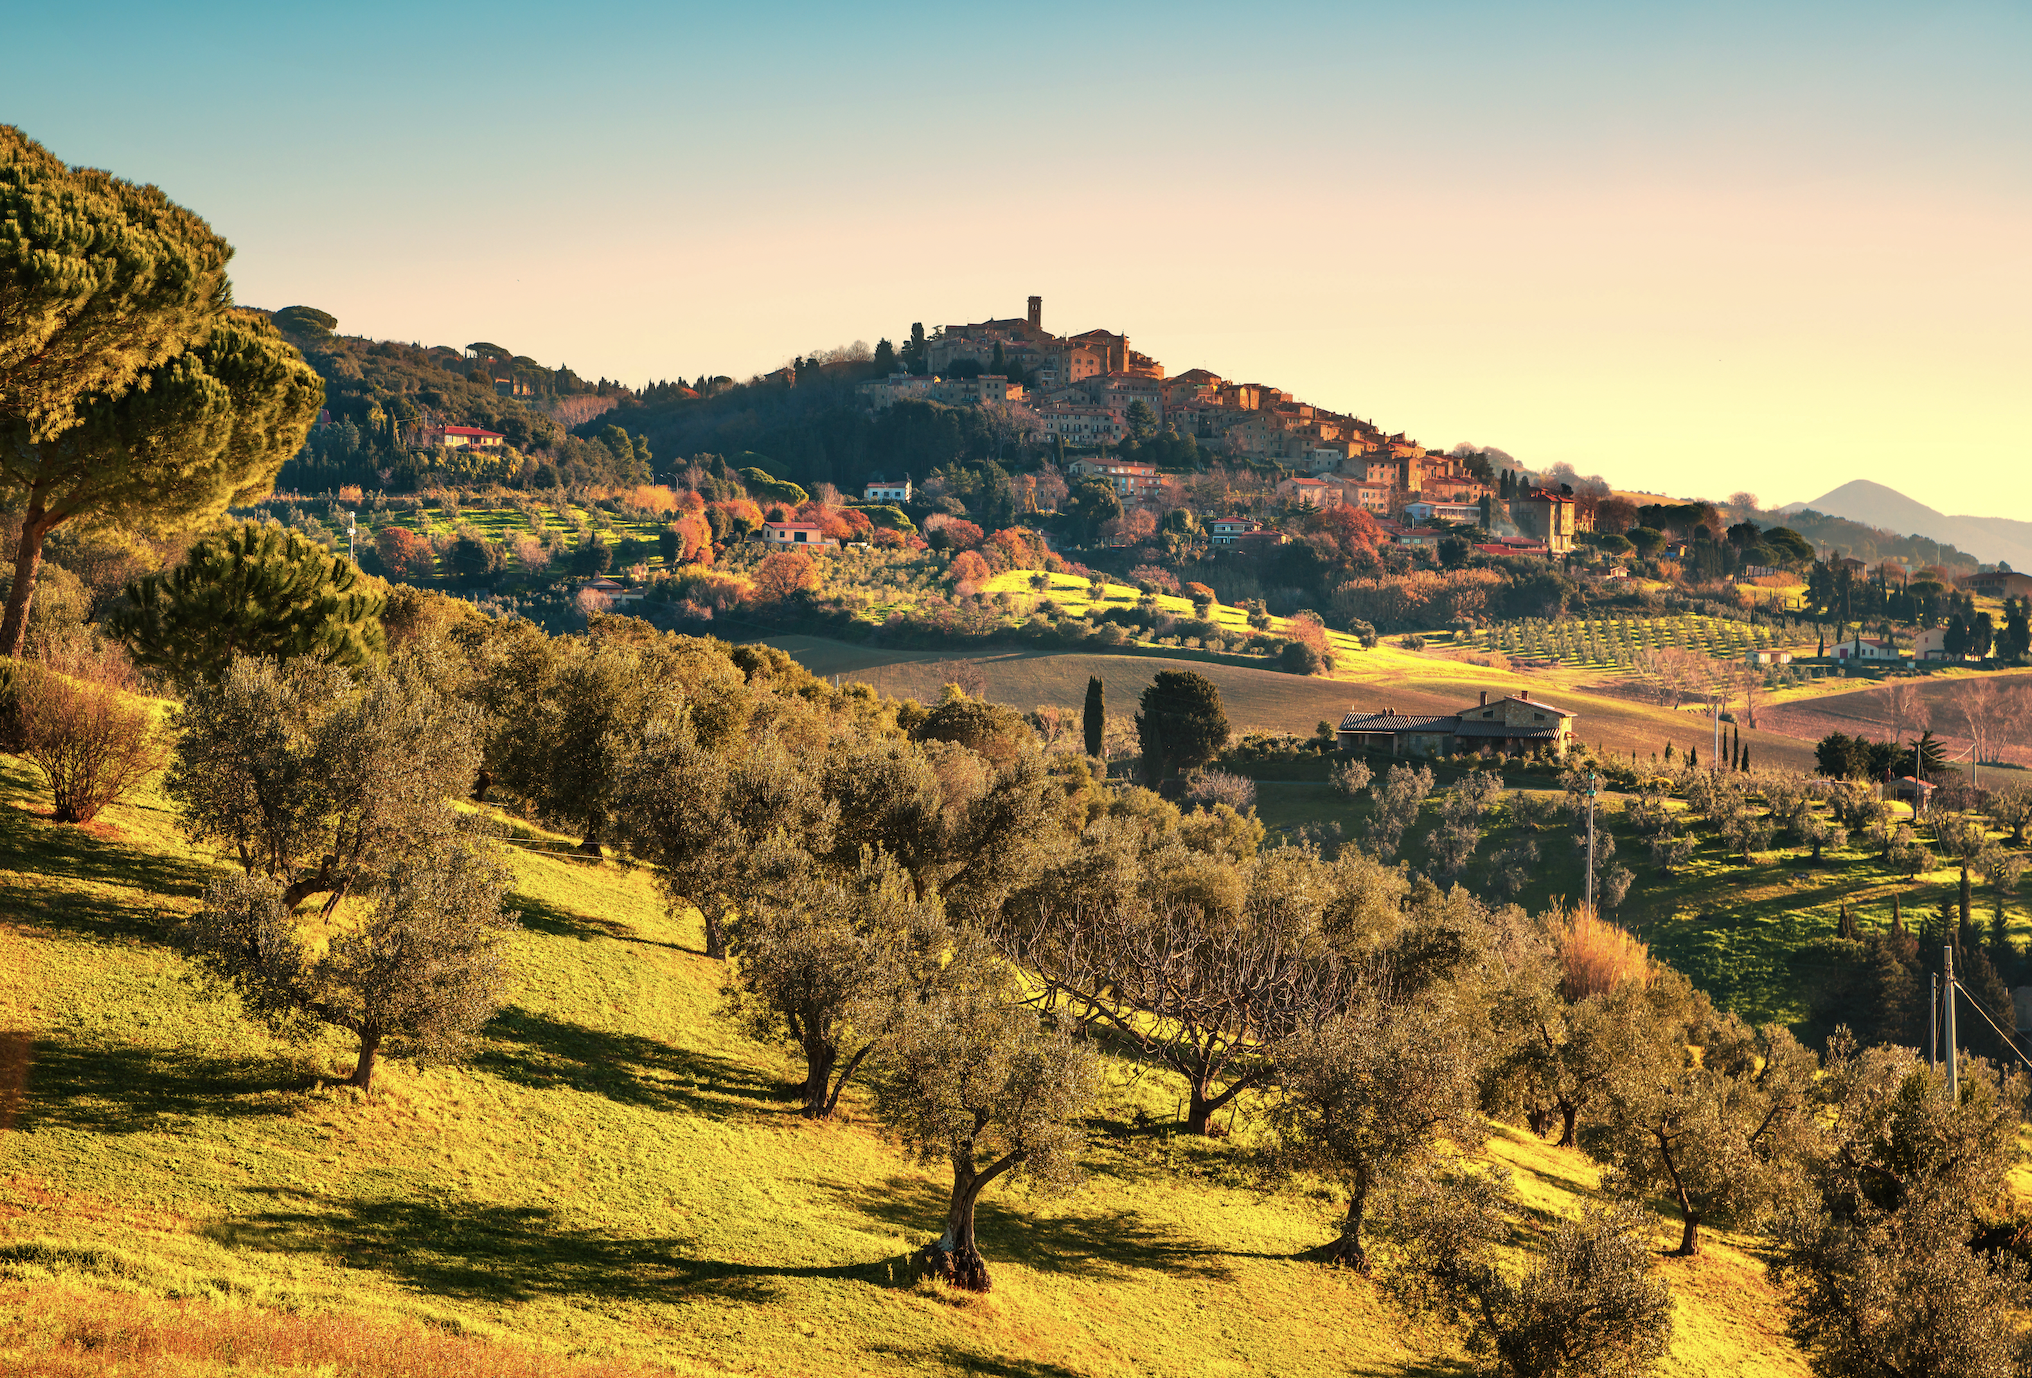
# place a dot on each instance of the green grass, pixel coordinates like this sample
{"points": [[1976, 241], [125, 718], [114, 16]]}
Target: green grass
{"points": [[620, 1173], [1735, 927]]}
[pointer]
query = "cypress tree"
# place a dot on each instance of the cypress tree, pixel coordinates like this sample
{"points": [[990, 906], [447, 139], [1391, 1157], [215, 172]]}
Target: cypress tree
{"points": [[1096, 717], [1693, 758], [1746, 760]]}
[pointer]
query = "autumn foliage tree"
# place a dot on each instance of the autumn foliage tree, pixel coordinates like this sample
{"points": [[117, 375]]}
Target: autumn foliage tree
{"points": [[784, 574]]}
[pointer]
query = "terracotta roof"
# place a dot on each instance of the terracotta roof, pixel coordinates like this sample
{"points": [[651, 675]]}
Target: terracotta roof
{"points": [[1398, 722], [469, 430]]}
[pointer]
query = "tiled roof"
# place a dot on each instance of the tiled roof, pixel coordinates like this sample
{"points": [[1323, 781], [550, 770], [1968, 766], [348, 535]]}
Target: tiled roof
{"points": [[1398, 722]]}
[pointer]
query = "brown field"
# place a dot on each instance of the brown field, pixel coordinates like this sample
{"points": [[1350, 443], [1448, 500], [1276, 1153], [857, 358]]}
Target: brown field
{"points": [[1270, 701]]}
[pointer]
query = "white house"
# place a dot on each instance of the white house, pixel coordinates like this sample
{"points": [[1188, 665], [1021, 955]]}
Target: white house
{"points": [[887, 490], [1467, 512], [1866, 648]]}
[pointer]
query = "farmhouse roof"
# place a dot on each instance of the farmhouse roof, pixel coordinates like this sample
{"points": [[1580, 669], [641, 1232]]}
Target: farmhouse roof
{"points": [[470, 431]]}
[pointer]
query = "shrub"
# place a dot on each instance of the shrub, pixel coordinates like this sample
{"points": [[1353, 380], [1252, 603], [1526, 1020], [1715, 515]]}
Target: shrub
{"points": [[1207, 788], [91, 742], [1595, 956]]}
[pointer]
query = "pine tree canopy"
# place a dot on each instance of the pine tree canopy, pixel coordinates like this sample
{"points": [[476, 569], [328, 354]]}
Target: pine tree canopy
{"points": [[258, 590], [130, 394]]}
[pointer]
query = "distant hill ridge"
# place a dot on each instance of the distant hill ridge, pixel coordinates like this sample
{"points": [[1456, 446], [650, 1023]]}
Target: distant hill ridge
{"points": [[1989, 539]]}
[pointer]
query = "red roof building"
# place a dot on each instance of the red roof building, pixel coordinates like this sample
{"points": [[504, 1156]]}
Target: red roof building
{"points": [[455, 436]]}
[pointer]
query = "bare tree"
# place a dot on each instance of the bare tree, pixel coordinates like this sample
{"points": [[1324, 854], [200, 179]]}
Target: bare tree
{"points": [[1170, 952], [91, 742]]}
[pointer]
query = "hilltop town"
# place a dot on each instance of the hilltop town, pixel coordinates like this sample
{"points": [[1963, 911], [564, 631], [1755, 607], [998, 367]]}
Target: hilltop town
{"points": [[1093, 389]]}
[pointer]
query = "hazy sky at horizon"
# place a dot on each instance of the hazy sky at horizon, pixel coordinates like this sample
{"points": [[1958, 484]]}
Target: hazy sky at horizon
{"points": [[1764, 247]]}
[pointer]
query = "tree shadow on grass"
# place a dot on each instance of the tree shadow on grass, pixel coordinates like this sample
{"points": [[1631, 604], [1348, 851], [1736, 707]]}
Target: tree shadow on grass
{"points": [[135, 1090], [60, 850], [541, 916], [1116, 1240], [537, 1051], [484, 1252], [951, 1358]]}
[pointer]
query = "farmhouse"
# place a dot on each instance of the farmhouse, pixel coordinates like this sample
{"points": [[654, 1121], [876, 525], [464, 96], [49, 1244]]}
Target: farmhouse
{"points": [[794, 535], [454, 436], [1865, 648], [888, 490], [1510, 725]]}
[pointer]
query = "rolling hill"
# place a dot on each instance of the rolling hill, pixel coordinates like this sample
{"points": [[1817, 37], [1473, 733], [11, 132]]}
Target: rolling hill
{"points": [[616, 1185]]}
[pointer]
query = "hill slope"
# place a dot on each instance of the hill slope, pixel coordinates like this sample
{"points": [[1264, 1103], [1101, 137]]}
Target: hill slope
{"points": [[617, 1178], [1989, 539]]}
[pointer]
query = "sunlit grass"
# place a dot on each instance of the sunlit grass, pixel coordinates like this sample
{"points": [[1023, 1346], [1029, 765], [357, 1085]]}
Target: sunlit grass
{"points": [[618, 1173]]}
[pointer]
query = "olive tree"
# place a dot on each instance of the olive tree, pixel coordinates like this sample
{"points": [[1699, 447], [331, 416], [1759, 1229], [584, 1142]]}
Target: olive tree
{"points": [[1718, 1121], [1372, 1090], [130, 392], [1587, 1306], [975, 1081], [1881, 1257], [420, 972], [318, 780], [828, 959]]}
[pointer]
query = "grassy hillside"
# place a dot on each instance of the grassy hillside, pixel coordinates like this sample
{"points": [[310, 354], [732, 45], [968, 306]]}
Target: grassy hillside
{"points": [[617, 1181]]}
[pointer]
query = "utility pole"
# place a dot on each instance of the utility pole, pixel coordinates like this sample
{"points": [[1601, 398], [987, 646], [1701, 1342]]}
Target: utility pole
{"points": [[1933, 1024], [1591, 843], [1947, 1010]]}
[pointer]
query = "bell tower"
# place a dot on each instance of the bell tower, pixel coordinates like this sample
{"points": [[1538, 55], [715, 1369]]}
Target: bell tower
{"points": [[1037, 313]]}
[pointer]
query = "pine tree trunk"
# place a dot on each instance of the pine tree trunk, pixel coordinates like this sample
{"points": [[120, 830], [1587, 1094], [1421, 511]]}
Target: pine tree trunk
{"points": [[716, 937], [1569, 1125], [27, 561]]}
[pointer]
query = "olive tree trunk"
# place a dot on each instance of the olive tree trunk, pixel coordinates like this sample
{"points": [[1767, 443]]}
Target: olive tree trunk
{"points": [[1348, 1248], [363, 1069], [954, 1256]]}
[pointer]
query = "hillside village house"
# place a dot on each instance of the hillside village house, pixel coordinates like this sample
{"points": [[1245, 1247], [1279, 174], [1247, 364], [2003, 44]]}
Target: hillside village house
{"points": [[1309, 492], [887, 490], [1510, 726], [1548, 517], [1130, 480], [795, 536], [1467, 513], [1865, 648], [452, 437], [1242, 531], [1996, 583], [1078, 424], [612, 590]]}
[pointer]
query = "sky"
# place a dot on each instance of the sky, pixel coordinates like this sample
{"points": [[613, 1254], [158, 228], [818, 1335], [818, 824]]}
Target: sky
{"points": [[1696, 249]]}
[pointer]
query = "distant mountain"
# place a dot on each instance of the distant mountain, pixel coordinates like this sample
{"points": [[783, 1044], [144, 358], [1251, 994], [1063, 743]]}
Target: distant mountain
{"points": [[1989, 539]]}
